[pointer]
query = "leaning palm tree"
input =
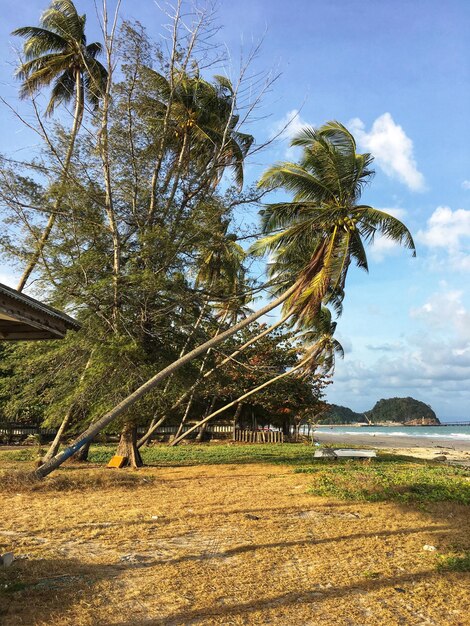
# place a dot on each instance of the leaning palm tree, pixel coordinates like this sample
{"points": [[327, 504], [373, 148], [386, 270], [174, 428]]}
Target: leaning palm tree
{"points": [[56, 54], [321, 341], [324, 226]]}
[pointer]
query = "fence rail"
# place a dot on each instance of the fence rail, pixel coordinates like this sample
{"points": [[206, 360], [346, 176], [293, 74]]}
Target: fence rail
{"points": [[259, 436]]}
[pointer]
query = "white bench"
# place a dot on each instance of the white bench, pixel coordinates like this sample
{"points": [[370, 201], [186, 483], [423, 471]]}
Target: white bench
{"points": [[330, 453]]}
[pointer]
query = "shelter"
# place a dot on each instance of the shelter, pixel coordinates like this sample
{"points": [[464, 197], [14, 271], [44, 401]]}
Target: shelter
{"points": [[23, 318]]}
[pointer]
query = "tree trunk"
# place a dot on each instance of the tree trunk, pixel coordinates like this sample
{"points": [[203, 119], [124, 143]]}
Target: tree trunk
{"points": [[77, 122], [127, 446], [296, 431], [235, 419], [201, 433], [128, 402], [54, 448], [82, 454], [286, 427], [55, 445]]}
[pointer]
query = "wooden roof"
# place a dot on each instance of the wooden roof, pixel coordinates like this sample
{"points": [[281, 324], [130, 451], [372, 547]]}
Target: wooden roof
{"points": [[23, 318]]}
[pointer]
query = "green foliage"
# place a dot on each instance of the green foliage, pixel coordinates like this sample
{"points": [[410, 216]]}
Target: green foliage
{"points": [[389, 480], [455, 563], [313, 238], [56, 53], [336, 414]]}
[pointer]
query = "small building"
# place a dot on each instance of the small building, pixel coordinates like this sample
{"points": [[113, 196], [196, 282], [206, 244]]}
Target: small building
{"points": [[23, 318]]}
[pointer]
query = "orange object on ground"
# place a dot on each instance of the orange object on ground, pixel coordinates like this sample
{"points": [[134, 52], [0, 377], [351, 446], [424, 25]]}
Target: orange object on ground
{"points": [[118, 461]]}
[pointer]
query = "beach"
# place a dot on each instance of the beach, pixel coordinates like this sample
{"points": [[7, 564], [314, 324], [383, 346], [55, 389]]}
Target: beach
{"points": [[425, 447]]}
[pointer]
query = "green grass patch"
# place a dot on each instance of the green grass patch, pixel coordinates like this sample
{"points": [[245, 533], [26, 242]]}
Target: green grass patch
{"points": [[460, 563], [192, 454], [20, 455], [393, 479], [214, 454]]}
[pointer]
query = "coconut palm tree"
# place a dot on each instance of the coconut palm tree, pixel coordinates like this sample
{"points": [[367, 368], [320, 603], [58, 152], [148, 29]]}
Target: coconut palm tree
{"points": [[319, 232], [202, 124], [56, 54], [321, 341]]}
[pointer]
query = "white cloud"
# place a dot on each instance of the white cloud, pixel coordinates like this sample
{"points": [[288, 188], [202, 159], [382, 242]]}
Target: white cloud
{"points": [[431, 364], [287, 127], [466, 184], [445, 312], [392, 149], [449, 230]]}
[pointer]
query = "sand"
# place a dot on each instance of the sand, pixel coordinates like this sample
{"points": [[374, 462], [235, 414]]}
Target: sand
{"points": [[419, 447]]}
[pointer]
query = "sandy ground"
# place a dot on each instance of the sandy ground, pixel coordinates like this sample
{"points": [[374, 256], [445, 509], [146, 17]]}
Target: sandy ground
{"points": [[226, 545], [419, 447]]}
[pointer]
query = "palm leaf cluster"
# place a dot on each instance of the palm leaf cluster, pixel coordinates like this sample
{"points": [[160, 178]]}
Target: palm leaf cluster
{"points": [[56, 54], [202, 115], [313, 238]]}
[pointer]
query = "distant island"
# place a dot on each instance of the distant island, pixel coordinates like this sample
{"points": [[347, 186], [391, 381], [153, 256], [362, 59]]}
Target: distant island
{"points": [[406, 411]]}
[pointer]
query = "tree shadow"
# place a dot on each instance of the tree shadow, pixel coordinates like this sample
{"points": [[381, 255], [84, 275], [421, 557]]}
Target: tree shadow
{"points": [[34, 590], [282, 600], [302, 542]]}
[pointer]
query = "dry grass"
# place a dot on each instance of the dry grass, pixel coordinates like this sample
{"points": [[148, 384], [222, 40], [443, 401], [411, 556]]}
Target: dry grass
{"points": [[224, 544]]}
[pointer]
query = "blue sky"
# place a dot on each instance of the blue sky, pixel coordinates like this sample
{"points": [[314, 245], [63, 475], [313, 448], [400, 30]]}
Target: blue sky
{"points": [[397, 73]]}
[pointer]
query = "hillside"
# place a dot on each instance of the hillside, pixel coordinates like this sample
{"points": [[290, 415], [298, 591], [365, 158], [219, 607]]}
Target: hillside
{"points": [[337, 414], [403, 410]]}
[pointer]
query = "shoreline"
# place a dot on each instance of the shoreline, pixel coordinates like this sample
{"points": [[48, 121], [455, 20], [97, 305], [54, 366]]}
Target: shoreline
{"points": [[420, 447]]}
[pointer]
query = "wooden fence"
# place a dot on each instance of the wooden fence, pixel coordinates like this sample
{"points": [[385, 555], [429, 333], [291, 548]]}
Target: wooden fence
{"points": [[259, 436], [18, 431]]}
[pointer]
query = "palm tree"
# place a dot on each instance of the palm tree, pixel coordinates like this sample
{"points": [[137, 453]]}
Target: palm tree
{"points": [[56, 54], [321, 341], [199, 122], [323, 228], [319, 232]]}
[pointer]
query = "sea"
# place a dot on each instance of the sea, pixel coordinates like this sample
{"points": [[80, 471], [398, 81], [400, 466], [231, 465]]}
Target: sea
{"points": [[451, 432]]}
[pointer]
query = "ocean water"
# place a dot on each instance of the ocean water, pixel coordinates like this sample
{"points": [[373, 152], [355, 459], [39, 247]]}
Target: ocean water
{"points": [[453, 433]]}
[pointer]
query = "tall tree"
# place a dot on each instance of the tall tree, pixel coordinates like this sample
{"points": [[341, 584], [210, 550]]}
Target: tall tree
{"points": [[320, 232], [56, 54]]}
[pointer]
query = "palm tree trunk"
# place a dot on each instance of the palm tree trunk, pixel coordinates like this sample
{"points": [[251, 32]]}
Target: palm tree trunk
{"points": [[54, 448], [185, 415], [239, 399], [77, 122], [128, 402], [191, 389]]}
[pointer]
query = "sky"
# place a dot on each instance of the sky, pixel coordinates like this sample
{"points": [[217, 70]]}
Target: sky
{"points": [[396, 73]]}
